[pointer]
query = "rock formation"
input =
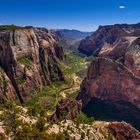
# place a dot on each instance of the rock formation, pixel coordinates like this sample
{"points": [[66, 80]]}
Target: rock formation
{"points": [[108, 40], [123, 131], [111, 91], [29, 58], [67, 109]]}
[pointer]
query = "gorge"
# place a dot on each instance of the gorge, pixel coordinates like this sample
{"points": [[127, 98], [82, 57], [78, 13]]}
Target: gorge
{"points": [[60, 93]]}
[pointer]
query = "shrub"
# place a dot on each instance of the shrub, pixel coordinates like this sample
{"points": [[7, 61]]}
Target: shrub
{"points": [[31, 133], [40, 124], [83, 119], [10, 27], [10, 121]]}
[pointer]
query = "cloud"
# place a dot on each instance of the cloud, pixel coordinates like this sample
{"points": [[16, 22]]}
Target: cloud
{"points": [[122, 7]]}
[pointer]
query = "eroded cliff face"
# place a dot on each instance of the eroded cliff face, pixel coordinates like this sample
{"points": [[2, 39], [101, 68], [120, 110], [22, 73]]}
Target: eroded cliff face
{"points": [[108, 40], [111, 91], [132, 57], [6, 89], [29, 57]]}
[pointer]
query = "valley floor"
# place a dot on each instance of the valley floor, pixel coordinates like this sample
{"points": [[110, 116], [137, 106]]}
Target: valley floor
{"points": [[47, 97]]}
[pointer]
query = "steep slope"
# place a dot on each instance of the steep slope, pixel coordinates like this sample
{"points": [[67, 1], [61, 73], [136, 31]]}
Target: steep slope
{"points": [[29, 58], [6, 89], [132, 57], [111, 91], [108, 38]]}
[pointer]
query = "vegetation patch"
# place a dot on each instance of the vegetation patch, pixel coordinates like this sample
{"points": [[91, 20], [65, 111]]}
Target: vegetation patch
{"points": [[25, 61], [20, 80], [47, 97], [10, 27], [83, 119]]}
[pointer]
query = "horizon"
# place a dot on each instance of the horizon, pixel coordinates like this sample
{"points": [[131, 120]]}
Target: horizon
{"points": [[68, 28], [79, 15]]}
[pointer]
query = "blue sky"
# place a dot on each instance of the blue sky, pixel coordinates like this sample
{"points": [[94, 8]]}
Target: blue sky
{"points": [[84, 15]]}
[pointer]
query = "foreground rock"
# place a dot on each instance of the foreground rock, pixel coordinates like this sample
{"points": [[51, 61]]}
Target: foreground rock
{"points": [[29, 56], [28, 127], [123, 131], [111, 91], [97, 131]]}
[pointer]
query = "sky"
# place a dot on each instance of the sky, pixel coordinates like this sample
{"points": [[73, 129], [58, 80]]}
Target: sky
{"points": [[84, 15]]}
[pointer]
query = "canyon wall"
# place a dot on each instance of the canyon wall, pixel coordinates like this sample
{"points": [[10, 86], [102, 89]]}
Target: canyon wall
{"points": [[29, 56]]}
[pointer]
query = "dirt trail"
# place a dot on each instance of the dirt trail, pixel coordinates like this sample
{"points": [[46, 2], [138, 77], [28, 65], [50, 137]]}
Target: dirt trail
{"points": [[73, 87]]}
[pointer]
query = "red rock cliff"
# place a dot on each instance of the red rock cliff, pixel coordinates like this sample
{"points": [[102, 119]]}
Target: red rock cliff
{"points": [[109, 83], [29, 58]]}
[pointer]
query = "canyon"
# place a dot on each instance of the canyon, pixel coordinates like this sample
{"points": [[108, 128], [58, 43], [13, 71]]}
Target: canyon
{"points": [[90, 94]]}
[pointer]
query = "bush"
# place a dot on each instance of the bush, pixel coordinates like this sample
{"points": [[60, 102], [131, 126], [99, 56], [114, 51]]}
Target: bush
{"points": [[40, 124], [10, 121], [31, 133], [10, 27], [83, 119]]}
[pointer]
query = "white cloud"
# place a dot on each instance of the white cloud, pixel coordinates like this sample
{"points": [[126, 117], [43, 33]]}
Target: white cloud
{"points": [[122, 7]]}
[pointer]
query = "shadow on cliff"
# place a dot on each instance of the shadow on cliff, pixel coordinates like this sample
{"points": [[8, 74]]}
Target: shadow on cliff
{"points": [[113, 111]]}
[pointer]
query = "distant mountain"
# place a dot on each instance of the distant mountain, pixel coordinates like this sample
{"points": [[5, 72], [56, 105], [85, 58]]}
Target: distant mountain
{"points": [[74, 34], [70, 39]]}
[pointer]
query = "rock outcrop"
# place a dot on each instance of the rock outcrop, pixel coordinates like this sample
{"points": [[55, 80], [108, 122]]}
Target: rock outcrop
{"points": [[111, 91], [29, 58], [67, 109], [108, 40], [99, 130], [123, 131]]}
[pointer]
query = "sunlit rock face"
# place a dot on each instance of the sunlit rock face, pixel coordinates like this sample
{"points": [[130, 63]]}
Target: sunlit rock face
{"points": [[112, 86], [29, 56], [111, 91], [108, 40]]}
